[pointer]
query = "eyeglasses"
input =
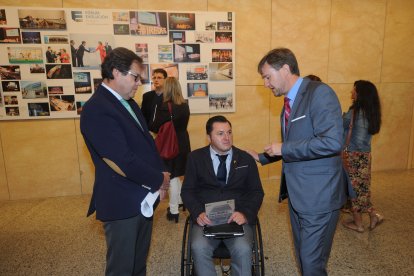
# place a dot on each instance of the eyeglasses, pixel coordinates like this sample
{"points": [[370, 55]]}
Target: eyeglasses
{"points": [[137, 77], [158, 78]]}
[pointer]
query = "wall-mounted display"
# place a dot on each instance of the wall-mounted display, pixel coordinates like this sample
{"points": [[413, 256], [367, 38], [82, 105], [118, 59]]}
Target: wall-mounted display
{"points": [[50, 58]]}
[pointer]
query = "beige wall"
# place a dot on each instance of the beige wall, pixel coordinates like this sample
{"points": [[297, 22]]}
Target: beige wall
{"points": [[341, 41]]}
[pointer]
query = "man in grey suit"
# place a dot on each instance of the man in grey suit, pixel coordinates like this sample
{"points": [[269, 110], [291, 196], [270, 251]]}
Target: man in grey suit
{"points": [[312, 175]]}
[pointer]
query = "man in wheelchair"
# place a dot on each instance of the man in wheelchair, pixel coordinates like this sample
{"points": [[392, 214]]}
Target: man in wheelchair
{"points": [[221, 172]]}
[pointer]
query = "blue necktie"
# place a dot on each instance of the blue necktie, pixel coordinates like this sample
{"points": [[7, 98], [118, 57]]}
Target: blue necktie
{"points": [[222, 169], [129, 108]]}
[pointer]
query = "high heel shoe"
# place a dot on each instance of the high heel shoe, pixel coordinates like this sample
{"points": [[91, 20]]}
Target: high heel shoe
{"points": [[376, 219], [172, 216]]}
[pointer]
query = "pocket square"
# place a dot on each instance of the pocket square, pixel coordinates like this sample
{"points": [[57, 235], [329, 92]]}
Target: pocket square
{"points": [[298, 118]]}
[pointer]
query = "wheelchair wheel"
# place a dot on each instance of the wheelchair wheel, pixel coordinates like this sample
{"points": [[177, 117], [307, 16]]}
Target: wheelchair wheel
{"points": [[186, 260], [258, 255]]}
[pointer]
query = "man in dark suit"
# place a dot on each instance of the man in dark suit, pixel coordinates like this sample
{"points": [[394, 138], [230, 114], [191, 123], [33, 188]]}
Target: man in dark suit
{"points": [[80, 52], [312, 175], [153, 98], [129, 173], [203, 184], [73, 52]]}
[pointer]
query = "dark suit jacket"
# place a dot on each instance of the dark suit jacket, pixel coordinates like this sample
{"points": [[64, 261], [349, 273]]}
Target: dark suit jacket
{"points": [[111, 132], [149, 101], [312, 172], [201, 186]]}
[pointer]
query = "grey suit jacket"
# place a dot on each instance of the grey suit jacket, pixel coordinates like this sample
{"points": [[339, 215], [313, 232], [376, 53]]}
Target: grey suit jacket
{"points": [[312, 173]]}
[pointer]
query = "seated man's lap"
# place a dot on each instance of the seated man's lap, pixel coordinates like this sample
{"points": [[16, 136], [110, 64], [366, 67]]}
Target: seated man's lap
{"points": [[236, 246]]}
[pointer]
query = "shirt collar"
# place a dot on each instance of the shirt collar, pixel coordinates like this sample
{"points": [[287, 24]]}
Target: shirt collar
{"points": [[112, 91], [213, 153], [294, 90]]}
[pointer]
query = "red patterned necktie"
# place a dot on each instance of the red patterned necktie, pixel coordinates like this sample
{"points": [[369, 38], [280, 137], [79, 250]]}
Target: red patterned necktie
{"points": [[287, 112]]}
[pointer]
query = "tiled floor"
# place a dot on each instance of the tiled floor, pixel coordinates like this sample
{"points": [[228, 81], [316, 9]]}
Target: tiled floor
{"points": [[53, 237]]}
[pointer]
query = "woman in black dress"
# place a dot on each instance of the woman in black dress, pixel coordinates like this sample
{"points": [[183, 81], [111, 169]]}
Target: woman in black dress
{"points": [[180, 116]]}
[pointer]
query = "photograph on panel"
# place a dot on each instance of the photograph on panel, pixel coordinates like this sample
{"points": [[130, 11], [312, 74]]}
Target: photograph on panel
{"points": [[82, 82], [197, 89], [10, 86], [12, 111], [186, 52], [55, 39], [10, 72], [58, 54], [170, 68], [31, 38], [197, 72], [147, 23], [33, 89], [62, 103], [42, 19], [141, 49], [224, 37], [221, 55], [165, 53], [37, 69], [55, 90], [177, 36], [59, 71], [221, 71], [25, 55], [224, 26], [11, 100], [38, 109], [3, 17], [181, 21], [10, 35], [204, 37], [220, 101], [90, 49]]}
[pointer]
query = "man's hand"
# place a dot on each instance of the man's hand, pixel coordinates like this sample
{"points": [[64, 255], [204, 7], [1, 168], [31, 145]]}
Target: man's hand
{"points": [[274, 149], [238, 218], [203, 219], [253, 154]]}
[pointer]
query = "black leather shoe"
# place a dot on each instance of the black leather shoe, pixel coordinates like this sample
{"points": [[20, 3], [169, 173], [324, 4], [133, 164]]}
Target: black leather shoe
{"points": [[172, 216]]}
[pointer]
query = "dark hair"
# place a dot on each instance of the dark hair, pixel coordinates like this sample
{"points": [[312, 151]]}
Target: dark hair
{"points": [[119, 58], [367, 101], [160, 71], [313, 77], [279, 57], [215, 119]]}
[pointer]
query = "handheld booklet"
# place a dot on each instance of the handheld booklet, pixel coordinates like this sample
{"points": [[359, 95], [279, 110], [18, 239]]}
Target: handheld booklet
{"points": [[219, 213]]}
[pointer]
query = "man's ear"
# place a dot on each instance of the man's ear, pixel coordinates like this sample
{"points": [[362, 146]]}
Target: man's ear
{"points": [[208, 138]]}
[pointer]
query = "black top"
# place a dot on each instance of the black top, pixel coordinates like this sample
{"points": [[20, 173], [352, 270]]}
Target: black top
{"points": [[149, 102], [181, 116]]}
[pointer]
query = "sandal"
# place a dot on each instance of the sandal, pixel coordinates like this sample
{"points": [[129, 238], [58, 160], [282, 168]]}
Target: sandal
{"points": [[376, 220], [351, 225]]}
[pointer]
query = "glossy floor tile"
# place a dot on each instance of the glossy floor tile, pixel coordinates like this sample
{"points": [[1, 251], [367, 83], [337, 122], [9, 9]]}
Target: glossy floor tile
{"points": [[53, 237]]}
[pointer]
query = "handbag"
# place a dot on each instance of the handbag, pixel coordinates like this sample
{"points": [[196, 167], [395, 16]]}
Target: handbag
{"points": [[166, 140], [345, 152]]}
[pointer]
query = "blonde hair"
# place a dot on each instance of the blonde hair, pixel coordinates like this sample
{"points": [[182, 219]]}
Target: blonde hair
{"points": [[172, 91]]}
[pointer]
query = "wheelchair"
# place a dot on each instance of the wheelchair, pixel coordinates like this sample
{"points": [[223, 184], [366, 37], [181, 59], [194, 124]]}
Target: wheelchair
{"points": [[221, 253]]}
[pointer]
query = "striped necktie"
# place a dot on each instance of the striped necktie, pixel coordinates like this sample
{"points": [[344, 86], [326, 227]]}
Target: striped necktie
{"points": [[129, 108], [287, 112]]}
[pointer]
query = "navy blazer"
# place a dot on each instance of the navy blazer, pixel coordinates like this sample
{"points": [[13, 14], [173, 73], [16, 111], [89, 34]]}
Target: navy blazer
{"points": [[111, 132], [201, 185]]}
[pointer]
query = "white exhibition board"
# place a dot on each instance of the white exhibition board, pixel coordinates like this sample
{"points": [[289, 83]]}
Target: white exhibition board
{"points": [[42, 77]]}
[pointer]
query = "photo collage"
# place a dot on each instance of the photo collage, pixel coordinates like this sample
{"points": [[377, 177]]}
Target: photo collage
{"points": [[50, 58]]}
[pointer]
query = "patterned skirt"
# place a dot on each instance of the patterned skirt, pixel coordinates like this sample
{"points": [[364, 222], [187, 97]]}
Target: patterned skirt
{"points": [[360, 175]]}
